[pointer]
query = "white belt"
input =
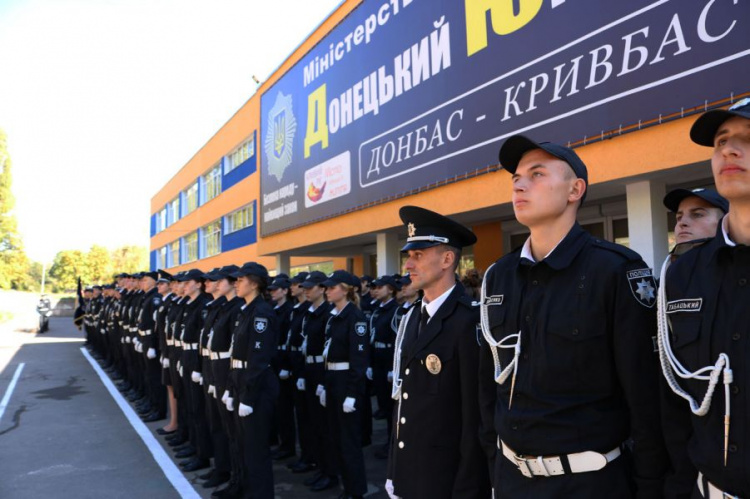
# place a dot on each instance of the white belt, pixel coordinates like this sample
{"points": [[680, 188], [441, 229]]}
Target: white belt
{"points": [[282, 347], [178, 343], [294, 349], [170, 343], [314, 359], [127, 339], [205, 352], [580, 462], [337, 366], [380, 344], [190, 346], [239, 364], [219, 355], [102, 331], [147, 332], [714, 492]]}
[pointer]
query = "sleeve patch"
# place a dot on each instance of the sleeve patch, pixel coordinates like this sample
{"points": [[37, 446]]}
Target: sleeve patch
{"points": [[642, 286]]}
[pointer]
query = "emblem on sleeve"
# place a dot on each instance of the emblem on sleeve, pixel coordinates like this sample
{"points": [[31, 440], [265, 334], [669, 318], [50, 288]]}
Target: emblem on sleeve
{"points": [[643, 286], [260, 324], [360, 328], [157, 301]]}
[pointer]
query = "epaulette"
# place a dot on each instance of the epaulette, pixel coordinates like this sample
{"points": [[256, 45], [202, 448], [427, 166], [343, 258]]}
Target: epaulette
{"points": [[621, 250]]}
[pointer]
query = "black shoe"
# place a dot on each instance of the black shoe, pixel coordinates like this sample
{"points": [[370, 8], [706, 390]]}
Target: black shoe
{"points": [[177, 442], [217, 479], [162, 431], [382, 452], [325, 483], [185, 453], [207, 476], [280, 455], [231, 491], [304, 468], [145, 409], [346, 495], [294, 464], [309, 482], [196, 465], [154, 416], [124, 387]]}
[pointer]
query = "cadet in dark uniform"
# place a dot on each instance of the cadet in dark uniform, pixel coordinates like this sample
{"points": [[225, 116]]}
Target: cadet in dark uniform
{"points": [[366, 302], [347, 355], [435, 447], [152, 300], [161, 329], [280, 294], [698, 213], [254, 387], [382, 338], [704, 300], [312, 379], [570, 366]]}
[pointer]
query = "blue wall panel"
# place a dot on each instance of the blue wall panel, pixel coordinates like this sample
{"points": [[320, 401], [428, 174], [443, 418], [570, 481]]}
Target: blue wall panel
{"points": [[153, 225], [153, 260], [243, 170]]}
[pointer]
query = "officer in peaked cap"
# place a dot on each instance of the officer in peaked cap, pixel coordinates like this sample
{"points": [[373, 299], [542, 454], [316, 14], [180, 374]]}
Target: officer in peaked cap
{"points": [[698, 213], [435, 448], [568, 370], [703, 329]]}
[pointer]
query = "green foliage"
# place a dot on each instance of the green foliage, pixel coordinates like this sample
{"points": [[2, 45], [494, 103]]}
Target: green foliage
{"points": [[130, 259], [97, 266]]}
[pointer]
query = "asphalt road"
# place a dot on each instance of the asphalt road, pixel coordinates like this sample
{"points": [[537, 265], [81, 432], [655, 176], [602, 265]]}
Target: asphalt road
{"points": [[64, 434]]}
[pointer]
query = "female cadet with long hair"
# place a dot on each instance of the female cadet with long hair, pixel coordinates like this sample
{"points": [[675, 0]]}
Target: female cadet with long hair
{"points": [[253, 386], [347, 356]]}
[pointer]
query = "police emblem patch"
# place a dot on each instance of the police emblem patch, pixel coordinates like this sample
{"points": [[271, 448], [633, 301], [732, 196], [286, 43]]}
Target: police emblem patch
{"points": [[279, 138], [643, 286], [260, 324], [433, 364], [204, 314], [360, 328]]}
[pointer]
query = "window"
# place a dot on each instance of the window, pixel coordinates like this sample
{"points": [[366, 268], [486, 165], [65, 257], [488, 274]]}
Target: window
{"points": [[162, 220], [325, 267], [161, 257], [191, 198], [174, 253], [244, 217], [212, 183], [191, 247], [239, 155], [211, 243], [175, 210]]}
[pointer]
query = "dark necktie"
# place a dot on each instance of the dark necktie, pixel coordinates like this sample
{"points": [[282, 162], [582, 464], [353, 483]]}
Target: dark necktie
{"points": [[423, 321]]}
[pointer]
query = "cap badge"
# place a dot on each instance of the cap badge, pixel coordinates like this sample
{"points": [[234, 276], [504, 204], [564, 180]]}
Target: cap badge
{"points": [[433, 364], [741, 103], [412, 229]]}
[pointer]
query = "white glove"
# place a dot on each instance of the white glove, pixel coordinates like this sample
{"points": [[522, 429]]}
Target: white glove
{"points": [[389, 489], [244, 410], [322, 396], [122, 340], [225, 397], [151, 353], [368, 373], [301, 384], [180, 369], [139, 347], [212, 390], [165, 363], [320, 389], [201, 381], [230, 404], [349, 405], [283, 374], [390, 376]]}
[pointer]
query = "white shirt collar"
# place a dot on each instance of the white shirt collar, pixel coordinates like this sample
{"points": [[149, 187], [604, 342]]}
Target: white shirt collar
{"points": [[725, 231], [526, 250], [386, 303], [434, 305]]}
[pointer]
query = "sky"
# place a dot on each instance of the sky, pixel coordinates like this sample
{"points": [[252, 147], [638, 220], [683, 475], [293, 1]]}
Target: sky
{"points": [[103, 101]]}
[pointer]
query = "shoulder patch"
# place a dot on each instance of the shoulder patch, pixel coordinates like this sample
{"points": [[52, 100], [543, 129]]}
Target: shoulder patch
{"points": [[621, 250], [360, 328], [643, 286], [260, 324], [157, 300]]}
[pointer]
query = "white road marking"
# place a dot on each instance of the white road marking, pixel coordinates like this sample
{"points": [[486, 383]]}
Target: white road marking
{"points": [[173, 474], [11, 387]]}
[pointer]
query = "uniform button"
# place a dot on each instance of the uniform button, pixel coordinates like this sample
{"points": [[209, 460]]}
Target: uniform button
{"points": [[400, 445], [736, 336], [528, 318], [406, 396], [575, 332], [403, 420], [735, 390], [742, 281], [534, 282], [407, 371], [732, 448]]}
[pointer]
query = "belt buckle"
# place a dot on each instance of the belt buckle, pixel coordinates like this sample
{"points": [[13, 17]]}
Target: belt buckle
{"points": [[523, 466]]}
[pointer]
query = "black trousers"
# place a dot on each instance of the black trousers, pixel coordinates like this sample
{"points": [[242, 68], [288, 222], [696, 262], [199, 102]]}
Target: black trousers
{"points": [[255, 433], [322, 449], [219, 437], [382, 364], [346, 432], [304, 430], [157, 395], [196, 410], [285, 415]]}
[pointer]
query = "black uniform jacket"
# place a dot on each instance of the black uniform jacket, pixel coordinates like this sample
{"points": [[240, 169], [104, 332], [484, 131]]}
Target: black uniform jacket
{"points": [[435, 450], [708, 294], [295, 361], [381, 323], [349, 342], [147, 319], [587, 376]]}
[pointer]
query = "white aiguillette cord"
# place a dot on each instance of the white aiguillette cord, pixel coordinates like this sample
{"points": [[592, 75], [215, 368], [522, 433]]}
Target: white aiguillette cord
{"points": [[671, 366], [501, 375], [397, 381]]}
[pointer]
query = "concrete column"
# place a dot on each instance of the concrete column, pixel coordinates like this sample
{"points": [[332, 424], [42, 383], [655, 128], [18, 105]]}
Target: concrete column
{"points": [[388, 253], [282, 264], [647, 221]]}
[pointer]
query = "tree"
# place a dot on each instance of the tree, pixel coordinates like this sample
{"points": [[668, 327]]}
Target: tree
{"points": [[67, 267], [99, 264], [14, 264], [130, 259]]}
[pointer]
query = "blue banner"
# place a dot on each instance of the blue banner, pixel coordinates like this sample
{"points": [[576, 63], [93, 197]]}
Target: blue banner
{"points": [[404, 94]]}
